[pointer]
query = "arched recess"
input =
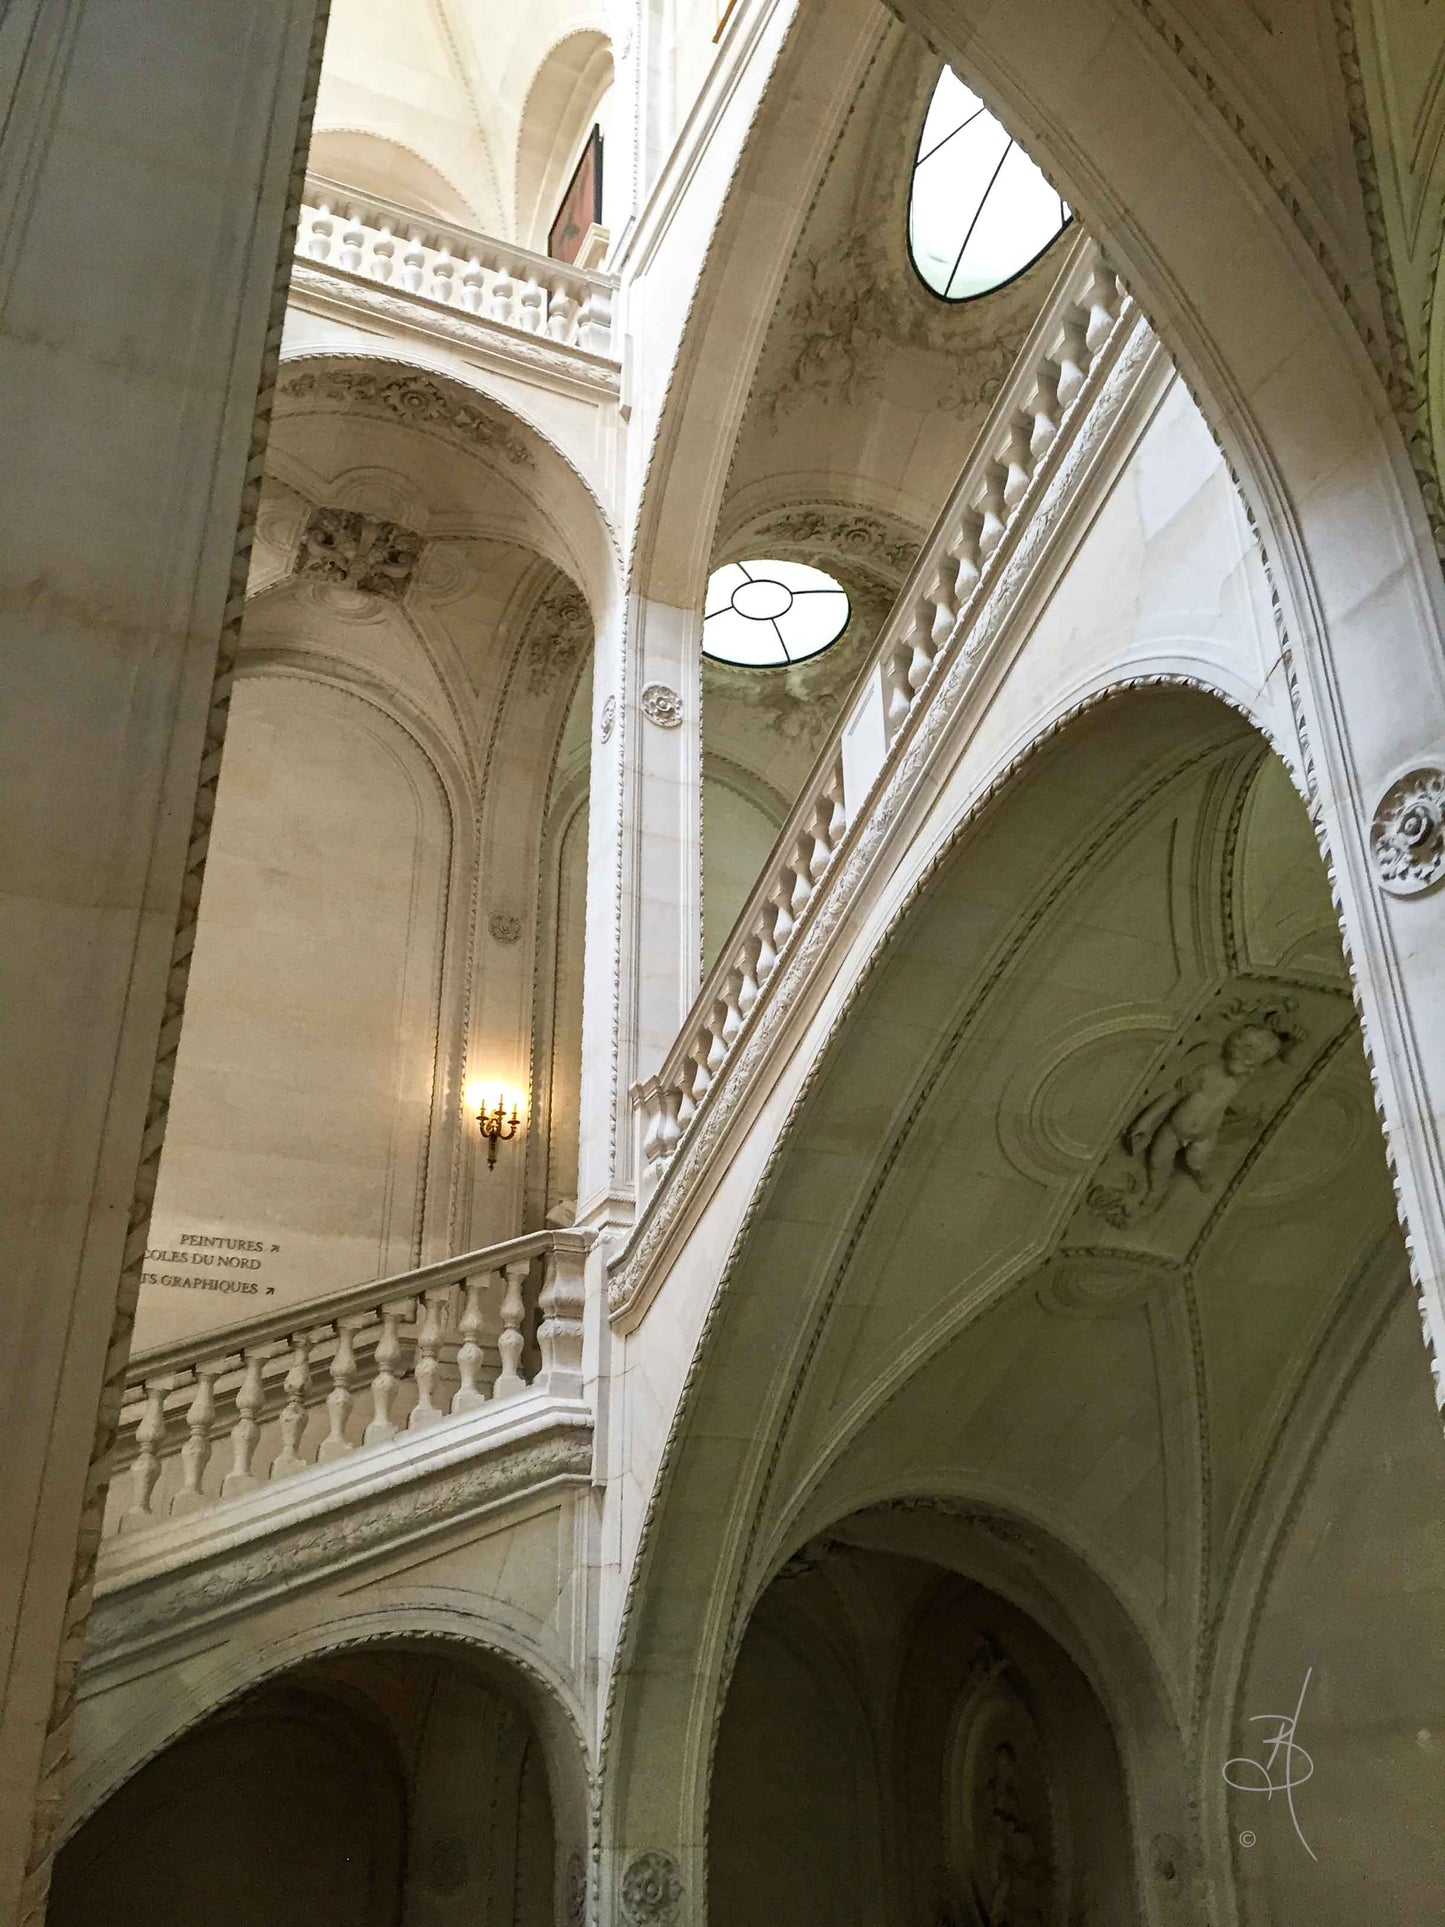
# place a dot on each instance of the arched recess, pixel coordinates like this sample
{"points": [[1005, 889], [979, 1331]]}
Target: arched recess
{"points": [[309, 1113], [377, 164], [561, 107], [459, 1628], [979, 1274], [1197, 203], [412, 1759]]}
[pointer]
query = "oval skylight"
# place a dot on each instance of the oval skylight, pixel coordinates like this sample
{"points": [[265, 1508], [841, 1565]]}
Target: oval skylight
{"points": [[768, 614], [980, 212]]}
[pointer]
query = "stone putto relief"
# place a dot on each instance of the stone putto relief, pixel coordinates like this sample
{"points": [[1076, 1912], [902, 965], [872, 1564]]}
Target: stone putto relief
{"points": [[1177, 1133]]}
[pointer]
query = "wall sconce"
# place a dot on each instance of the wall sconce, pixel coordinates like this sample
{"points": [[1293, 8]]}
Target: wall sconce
{"points": [[499, 1110]]}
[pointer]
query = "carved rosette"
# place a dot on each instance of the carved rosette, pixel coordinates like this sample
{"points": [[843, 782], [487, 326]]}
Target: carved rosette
{"points": [[505, 926], [662, 705], [360, 552], [609, 718], [651, 1891], [1407, 837]]}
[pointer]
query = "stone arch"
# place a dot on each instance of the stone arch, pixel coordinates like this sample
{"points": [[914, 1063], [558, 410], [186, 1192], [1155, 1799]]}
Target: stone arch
{"points": [[1147, 145], [738, 1436], [425, 388], [393, 170], [431, 1618]]}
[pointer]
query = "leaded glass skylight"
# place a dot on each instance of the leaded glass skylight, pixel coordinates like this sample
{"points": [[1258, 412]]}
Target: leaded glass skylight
{"points": [[768, 614], [980, 212]]}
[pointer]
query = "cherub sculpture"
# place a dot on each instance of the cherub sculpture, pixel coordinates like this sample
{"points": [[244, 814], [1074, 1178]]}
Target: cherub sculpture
{"points": [[1180, 1130]]}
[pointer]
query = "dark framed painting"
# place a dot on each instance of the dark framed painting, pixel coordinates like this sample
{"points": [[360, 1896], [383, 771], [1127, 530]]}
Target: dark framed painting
{"points": [[581, 203]]}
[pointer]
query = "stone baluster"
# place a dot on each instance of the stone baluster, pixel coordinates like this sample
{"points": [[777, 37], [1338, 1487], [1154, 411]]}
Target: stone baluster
{"points": [[413, 264], [899, 690], [649, 1095], [919, 643], [469, 1394], [671, 1127], [382, 1426], [473, 294], [428, 1365], [320, 230], [1018, 461], [341, 1397], [250, 1398], [1045, 410], [562, 315], [559, 1335], [296, 1384], [381, 257], [782, 901], [964, 551], [352, 249], [767, 941], [995, 514], [504, 290], [748, 985], [150, 1436], [731, 1006], [1072, 357], [510, 1340], [196, 1452], [717, 1049], [532, 318], [1103, 304], [443, 276]]}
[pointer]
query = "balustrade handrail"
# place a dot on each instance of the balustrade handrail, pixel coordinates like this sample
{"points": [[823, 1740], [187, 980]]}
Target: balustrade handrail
{"points": [[1080, 328], [232, 1340], [437, 260]]}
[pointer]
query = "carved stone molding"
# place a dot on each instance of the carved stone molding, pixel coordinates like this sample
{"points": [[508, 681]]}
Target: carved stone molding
{"points": [[662, 705], [1407, 836], [843, 532], [359, 551], [1099, 1281], [651, 1891], [505, 926], [407, 397], [609, 718], [184, 1593]]}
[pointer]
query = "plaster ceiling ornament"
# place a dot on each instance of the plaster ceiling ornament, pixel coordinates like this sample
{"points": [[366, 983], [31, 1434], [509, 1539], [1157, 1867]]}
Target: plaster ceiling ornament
{"points": [[651, 1890], [846, 534], [560, 630], [609, 718], [1179, 1131], [857, 328], [360, 552], [505, 926], [662, 705], [1407, 836], [576, 1890], [408, 397]]}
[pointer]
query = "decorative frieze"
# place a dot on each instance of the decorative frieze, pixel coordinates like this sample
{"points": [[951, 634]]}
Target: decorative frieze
{"points": [[406, 395]]}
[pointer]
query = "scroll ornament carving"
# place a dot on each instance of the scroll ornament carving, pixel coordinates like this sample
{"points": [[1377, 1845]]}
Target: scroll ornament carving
{"points": [[1407, 837], [852, 536], [505, 926], [1178, 1132], [408, 398], [560, 630], [576, 1891], [359, 551], [662, 705], [651, 1891], [609, 718]]}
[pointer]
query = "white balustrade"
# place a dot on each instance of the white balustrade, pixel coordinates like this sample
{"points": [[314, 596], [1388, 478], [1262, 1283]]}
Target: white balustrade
{"points": [[381, 241], [358, 1369], [1084, 322]]}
